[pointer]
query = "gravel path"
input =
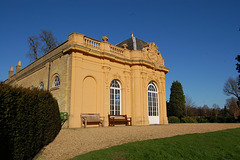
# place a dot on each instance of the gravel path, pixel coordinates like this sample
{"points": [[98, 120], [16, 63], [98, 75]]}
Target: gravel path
{"points": [[72, 142]]}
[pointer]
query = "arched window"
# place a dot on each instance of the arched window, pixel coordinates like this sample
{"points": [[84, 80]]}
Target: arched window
{"points": [[152, 99], [41, 86], [56, 82], [115, 98]]}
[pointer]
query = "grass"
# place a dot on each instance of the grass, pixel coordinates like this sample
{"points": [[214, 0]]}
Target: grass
{"points": [[213, 145]]}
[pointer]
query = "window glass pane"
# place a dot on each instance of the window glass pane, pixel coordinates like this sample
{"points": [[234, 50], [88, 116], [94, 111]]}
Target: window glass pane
{"points": [[115, 84], [56, 81], [150, 102], [118, 102], [111, 84], [152, 99], [111, 91], [112, 102], [115, 97], [41, 86]]}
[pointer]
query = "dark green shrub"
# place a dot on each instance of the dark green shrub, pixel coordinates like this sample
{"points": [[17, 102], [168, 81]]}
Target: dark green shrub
{"points": [[213, 119], [202, 120], [188, 119], [173, 119], [29, 120]]}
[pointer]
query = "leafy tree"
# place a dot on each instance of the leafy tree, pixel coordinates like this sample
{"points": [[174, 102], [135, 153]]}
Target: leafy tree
{"points": [[238, 66], [176, 106], [204, 111], [215, 110], [227, 118]]}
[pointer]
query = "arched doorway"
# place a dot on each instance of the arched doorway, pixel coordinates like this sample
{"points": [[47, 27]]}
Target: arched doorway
{"points": [[115, 98], [153, 111]]}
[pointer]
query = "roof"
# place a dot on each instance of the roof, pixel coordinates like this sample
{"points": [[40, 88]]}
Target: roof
{"points": [[133, 43]]}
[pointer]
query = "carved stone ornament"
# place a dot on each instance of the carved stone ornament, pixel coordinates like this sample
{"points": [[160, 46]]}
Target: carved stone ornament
{"points": [[125, 46], [116, 76], [153, 54], [106, 68], [105, 38]]}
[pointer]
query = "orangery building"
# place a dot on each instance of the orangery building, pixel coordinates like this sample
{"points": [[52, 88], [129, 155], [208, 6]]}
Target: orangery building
{"points": [[86, 75]]}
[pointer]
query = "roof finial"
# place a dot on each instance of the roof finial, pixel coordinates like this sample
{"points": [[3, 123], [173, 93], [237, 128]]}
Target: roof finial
{"points": [[132, 34], [134, 42]]}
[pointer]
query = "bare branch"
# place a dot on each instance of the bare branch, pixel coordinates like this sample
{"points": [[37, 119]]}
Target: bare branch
{"points": [[233, 108], [33, 48], [49, 42], [231, 87]]}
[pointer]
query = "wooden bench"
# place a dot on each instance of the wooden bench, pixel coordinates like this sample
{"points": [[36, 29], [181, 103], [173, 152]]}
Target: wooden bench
{"points": [[91, 119], [119, 119]]}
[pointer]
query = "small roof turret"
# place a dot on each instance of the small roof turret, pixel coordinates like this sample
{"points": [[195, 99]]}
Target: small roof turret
{"points": [[133, 43]]}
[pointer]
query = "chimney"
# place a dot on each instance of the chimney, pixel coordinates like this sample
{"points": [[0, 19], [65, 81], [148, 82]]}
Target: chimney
{"points": [[10, 73], [18, 67]]}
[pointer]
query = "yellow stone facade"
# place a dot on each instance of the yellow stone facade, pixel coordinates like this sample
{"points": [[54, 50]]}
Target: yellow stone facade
{"points": [[86, 68]]}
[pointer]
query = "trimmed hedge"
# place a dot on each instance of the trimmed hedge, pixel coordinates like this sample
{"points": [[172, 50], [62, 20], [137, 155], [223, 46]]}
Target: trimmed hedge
{"points": [[29, 120], [188, 119], [173, 119], [202, 120]]}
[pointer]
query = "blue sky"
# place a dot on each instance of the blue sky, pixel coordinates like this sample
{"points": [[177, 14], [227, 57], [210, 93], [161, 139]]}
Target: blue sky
{"points": [[199, 39]]}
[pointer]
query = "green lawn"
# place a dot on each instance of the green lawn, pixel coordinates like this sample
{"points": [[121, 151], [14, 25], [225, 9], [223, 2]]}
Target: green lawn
{"points": [[213, 145]]}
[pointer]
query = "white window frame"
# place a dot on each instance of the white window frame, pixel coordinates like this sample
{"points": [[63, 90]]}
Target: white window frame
{"points": [[115, 98], [153, 101]]}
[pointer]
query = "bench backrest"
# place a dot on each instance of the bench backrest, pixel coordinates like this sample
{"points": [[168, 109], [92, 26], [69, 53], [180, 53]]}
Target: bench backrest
{"points": [[117, 116], [91, 116]]}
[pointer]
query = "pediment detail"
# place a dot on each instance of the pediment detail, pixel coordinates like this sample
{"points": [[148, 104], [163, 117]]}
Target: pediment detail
{"points": [[152, 53]]}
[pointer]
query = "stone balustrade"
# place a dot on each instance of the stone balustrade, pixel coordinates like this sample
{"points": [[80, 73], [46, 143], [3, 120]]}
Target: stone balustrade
{"points": [[91, 42], [150, 57], [116, 49], [81, 39]]}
